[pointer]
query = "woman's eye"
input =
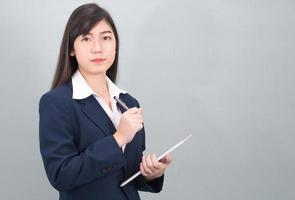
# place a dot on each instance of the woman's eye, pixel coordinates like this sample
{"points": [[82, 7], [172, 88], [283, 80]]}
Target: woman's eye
{"points": [[107, 38], [86, 39]]}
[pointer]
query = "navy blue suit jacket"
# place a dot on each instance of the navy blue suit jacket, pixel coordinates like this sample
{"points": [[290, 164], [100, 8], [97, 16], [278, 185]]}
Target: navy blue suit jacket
{"points": [[82, 159]]}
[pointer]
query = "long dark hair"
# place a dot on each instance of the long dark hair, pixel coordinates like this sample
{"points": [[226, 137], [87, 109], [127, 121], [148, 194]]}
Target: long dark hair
{"points": [[81, 21]]}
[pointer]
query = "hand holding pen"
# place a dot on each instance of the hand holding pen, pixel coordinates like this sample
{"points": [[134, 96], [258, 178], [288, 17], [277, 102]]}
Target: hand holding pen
{"points": [[131, 122]]}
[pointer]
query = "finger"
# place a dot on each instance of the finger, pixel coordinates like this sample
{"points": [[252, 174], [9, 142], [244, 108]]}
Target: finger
{"points": [[143, 172], [167, 159], [138, 122], [150, 164], [134, 118], [140, 110], [155, 162], [145, 167], [133, 110], [137, 117], [160, 166], [140, 126]]}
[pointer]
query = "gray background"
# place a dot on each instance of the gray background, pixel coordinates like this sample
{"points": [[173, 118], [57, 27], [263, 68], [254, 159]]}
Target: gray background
{"points": [[220, 70]]}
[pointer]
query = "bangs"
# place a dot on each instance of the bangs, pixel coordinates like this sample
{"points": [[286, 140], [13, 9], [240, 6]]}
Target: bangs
{"points": [[85, 24], [89, 24]]}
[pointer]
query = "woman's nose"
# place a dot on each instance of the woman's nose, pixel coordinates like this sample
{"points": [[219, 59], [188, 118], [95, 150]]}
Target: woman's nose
{"points": [[96, 47]]}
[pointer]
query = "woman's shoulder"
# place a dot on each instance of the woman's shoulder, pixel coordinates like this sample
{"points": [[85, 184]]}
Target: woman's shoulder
{"points": [[60, 93], [57, 103]]}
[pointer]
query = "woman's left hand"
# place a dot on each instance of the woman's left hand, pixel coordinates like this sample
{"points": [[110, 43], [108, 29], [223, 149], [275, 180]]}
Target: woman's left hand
{"points": [[151, 168]]}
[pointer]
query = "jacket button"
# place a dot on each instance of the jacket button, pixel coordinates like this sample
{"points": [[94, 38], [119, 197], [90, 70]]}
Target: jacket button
{"points": [[109, 168]]}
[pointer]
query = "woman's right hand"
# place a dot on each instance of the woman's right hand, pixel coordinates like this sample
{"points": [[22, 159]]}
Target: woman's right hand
{"points": [[131, 122]]}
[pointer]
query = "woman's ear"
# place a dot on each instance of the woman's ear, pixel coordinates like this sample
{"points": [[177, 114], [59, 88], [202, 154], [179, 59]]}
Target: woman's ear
{"points": [[72, 53]]}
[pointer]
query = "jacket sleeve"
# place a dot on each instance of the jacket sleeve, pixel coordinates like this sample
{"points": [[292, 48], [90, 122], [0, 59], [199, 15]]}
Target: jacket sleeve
{"points": [[155, 185], [65, 166]]}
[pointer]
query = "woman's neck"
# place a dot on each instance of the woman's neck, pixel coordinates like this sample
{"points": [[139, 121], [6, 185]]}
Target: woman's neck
{"points": [[98, 83]]}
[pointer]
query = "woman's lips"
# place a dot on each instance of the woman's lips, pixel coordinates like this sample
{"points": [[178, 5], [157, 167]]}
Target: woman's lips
{"points": [[98, 60]]}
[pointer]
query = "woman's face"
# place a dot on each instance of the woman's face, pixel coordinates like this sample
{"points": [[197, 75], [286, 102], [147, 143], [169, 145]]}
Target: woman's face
{"points": [[95, 51]]}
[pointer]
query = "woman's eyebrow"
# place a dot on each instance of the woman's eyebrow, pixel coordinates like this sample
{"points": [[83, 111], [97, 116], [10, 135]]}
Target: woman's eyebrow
{"points": [[102, 32]]}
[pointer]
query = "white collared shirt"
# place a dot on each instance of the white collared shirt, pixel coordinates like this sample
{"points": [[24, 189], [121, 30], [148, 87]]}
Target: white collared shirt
{"points": [[82, 90]]}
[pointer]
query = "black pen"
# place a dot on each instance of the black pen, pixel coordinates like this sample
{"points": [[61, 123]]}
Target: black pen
{"points": [[121, 103]]}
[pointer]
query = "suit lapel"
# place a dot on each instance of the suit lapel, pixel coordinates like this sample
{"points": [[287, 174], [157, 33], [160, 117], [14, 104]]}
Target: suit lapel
{"points": [[93, 110], [97, 115]]}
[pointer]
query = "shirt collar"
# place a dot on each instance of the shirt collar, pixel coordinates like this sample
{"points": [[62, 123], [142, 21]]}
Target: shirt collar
{"points": [[81, 89]]}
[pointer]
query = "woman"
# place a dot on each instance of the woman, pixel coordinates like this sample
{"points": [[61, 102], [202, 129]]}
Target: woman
{"points": [[89, 145]]}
